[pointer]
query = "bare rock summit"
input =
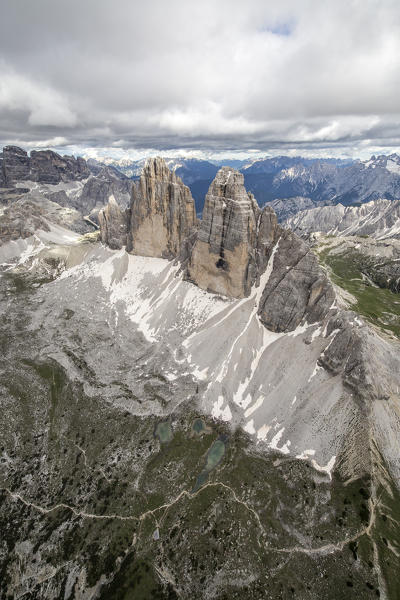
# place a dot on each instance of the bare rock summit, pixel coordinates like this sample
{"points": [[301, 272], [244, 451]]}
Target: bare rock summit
{"points": [[223, 256], [162, 212]]}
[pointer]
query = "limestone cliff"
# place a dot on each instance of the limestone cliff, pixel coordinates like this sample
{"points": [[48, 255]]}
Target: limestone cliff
{"points": [[162, 212], [234, 247], [47, 166], [237, 242], [297, 289], [44, 166], [99, 188], [223, 255], [113, 225], [15, 165]]}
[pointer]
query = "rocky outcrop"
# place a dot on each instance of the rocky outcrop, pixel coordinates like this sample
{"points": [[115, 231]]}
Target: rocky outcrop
{"points": [[2, 174], [237, 243], [15, 164], [27, 214], [49, 167], [95, 194], [368, 364], [297, 290], [223, 256], [288, 207], [44, 166], [59, 190], [21, 220], [162, 212], [378, 218], [98, 190], [268, 233], [113, 225]]}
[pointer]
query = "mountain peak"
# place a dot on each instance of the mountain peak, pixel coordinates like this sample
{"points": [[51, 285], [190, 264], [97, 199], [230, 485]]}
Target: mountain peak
{"points": [[157, 168], [162, 212]]}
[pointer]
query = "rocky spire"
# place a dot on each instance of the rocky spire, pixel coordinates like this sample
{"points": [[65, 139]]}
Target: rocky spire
{"points": [[222, 258], [239, 246], [113, 224], [162, 212]]}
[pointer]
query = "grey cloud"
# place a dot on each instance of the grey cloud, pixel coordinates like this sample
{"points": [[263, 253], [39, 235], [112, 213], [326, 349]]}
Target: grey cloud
{"points": [[301, 74]]}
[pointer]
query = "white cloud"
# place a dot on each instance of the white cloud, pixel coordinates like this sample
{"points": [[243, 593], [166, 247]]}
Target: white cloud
{"points": [[43, 106], [221, 75], [58, 141]]}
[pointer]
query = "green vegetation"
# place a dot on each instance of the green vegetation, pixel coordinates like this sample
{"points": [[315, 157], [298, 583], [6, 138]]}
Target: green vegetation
{"points": [[378, 305], [89, 482]]}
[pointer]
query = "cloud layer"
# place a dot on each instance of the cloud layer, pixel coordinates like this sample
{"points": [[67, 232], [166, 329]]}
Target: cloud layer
{"points": [[295, 76]]}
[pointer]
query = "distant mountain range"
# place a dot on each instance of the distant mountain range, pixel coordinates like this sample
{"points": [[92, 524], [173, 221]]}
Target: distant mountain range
{"points": [[377, 218], [295, 181]]}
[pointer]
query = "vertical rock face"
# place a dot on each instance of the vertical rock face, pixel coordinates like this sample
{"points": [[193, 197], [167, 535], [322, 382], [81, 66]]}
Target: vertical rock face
{"points": [[44, 166], [268, 233], [236, 246], [297, 289], [223, 256], [239, 245], [49, 167], [162, 212], [113, 225], [15, 164], [97, 190], [2, 174]]}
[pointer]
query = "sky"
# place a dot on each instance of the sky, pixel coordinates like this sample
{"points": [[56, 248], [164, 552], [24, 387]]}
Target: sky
{"points": [[206, 79]]}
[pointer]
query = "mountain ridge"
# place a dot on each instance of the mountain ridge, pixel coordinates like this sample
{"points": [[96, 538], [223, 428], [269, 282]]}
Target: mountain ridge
{"points": [[377, 218], [157, 420], [320, 180]]}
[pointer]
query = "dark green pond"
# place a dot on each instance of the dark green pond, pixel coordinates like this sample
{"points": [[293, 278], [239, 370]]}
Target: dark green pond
{"points": [[215, 454], [164, 432], [199, 426]]}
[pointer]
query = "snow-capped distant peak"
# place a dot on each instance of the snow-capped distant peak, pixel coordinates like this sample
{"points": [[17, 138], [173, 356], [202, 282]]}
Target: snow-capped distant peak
{"points": [[390, 163], [393, 166]]}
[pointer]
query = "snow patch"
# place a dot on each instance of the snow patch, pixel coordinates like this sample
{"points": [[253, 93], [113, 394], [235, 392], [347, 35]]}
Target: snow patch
{"points": [[262, 433], [325, 469], [316, 369], [249, 427], [306, 454], [219, 413]]}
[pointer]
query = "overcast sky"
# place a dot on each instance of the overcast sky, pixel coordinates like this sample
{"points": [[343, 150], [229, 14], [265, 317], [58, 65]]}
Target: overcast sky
{"points": [[204, 78]]}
